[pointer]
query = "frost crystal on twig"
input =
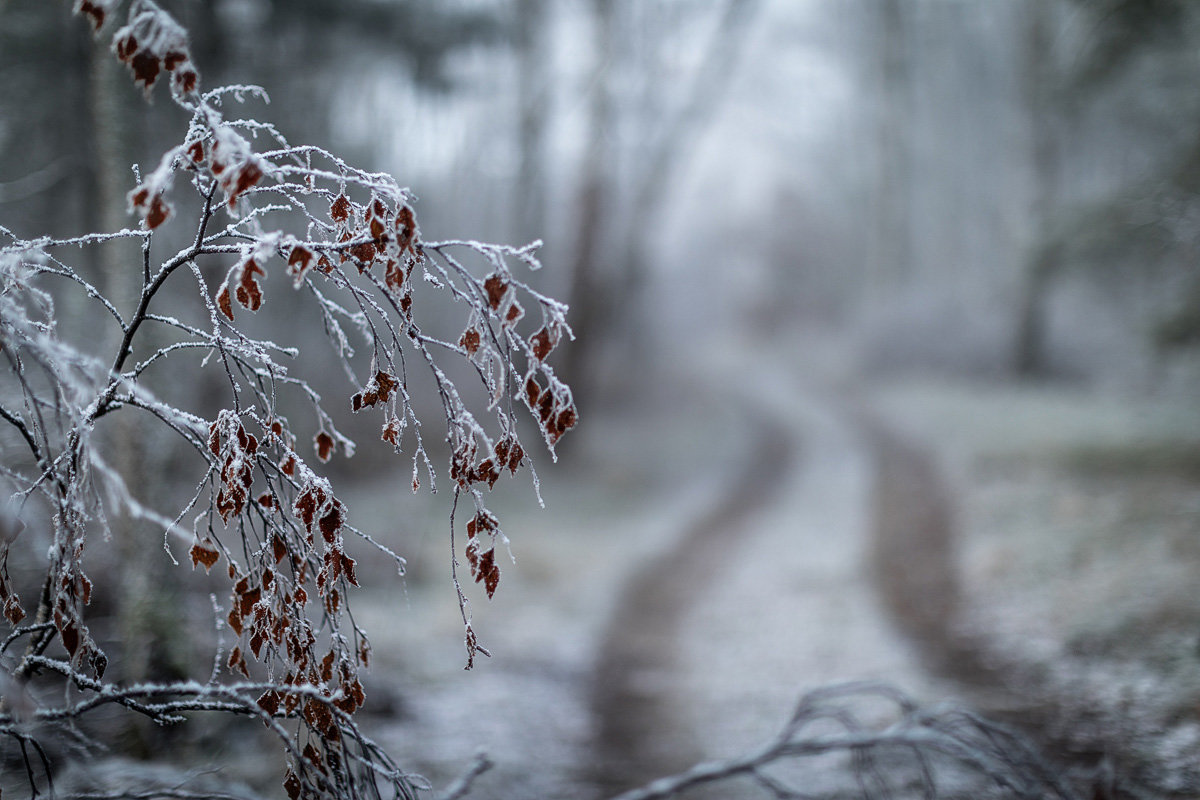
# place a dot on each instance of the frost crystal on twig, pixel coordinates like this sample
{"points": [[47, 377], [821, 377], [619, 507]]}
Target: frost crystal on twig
{"points": [[343, 246]]}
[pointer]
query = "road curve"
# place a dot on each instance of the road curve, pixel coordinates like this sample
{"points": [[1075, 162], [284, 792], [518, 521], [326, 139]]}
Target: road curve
{"points": [[635, 737]]}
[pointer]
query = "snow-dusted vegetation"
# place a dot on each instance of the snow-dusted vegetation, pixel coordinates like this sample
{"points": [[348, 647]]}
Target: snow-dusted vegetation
{"points": [[286, 224], [873, 324]]}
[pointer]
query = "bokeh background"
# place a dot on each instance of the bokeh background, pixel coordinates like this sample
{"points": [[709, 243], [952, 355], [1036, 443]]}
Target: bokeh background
{"points": [[887, 319]]}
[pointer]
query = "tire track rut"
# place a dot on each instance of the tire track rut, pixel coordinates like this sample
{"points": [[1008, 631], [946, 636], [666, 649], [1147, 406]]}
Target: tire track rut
{"points": [[633, 730]]}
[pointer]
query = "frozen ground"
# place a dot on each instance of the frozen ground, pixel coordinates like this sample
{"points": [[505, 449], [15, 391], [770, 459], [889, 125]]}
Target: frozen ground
{"points": [[704, 561], [529, 707], [702, 568], [1078, 551], [1075, 529]]}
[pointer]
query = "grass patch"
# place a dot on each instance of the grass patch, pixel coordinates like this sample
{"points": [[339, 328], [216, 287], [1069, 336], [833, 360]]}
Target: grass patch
{"points": [[1180, 459]]}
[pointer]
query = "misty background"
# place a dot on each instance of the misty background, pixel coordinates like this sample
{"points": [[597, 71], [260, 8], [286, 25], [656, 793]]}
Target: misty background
{"points": [[972, 223]]}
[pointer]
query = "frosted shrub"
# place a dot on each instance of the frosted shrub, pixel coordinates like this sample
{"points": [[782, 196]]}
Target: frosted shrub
{"points": [[340, 246]]}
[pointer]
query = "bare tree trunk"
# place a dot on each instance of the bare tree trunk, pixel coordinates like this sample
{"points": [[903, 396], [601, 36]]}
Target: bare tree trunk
{"points": [[530, 201], [1028, 358], [890, 249], [676, 142], [615, 233], [590, 294], [144, 601], [1029, 347]]}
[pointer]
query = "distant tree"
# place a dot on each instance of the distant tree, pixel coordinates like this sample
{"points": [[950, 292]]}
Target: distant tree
{"points": [[1126, 88], [1039, 92], [641, 129], [223, 209], [236, 196]]}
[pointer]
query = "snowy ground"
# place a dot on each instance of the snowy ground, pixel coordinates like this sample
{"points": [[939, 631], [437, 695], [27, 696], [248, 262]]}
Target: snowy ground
{"points": [[1078, 548], [744, 498], [528, 707], [1075, 582], [780, 602]]}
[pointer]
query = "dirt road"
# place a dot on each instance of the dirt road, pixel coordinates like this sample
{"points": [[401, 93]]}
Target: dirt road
{"points": [[638, 736], [767, 594]]}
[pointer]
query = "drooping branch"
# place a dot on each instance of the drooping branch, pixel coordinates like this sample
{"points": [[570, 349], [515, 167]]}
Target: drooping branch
{"points": [[348, 243], [841, 719]]}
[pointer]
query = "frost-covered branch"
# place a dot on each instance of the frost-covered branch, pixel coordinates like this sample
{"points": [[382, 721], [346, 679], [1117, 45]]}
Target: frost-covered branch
{"points": [[872, 724], [345, 252]]}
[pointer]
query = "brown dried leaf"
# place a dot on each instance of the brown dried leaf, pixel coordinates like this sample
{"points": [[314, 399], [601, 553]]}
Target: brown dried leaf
{"points": [[268, 701], [376, 216], [332, 522], [545, 406], [394, 275], [312, 755], [245, 177], [238, 661], [386, 383], [472, 554], [93, 12], [145, 66], [12, 609], [292, 785], [541, 343], [186, 80], [486, 471], [323, 443], [319, 717], [469, 341], [496, 288], [158, 212], [364, 652], [224, 303], [68, 631], [515, 456], [533, 391], [339, 210], [249, 292], [256, 643], [204, 552], [299, 261], [126, 46], [489, 572], [514, 314], [278, 547], [406, 228], [305, 507], [566, 420], [247, 600], [364, 254]]}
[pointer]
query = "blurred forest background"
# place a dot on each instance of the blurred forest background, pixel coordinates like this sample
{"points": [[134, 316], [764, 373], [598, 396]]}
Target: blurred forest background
{"points": [[996, 193], [989, 188]]}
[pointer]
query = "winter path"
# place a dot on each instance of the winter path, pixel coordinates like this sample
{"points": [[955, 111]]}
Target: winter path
{"points": [[707, 565], [637, 658], [765, 596]]}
